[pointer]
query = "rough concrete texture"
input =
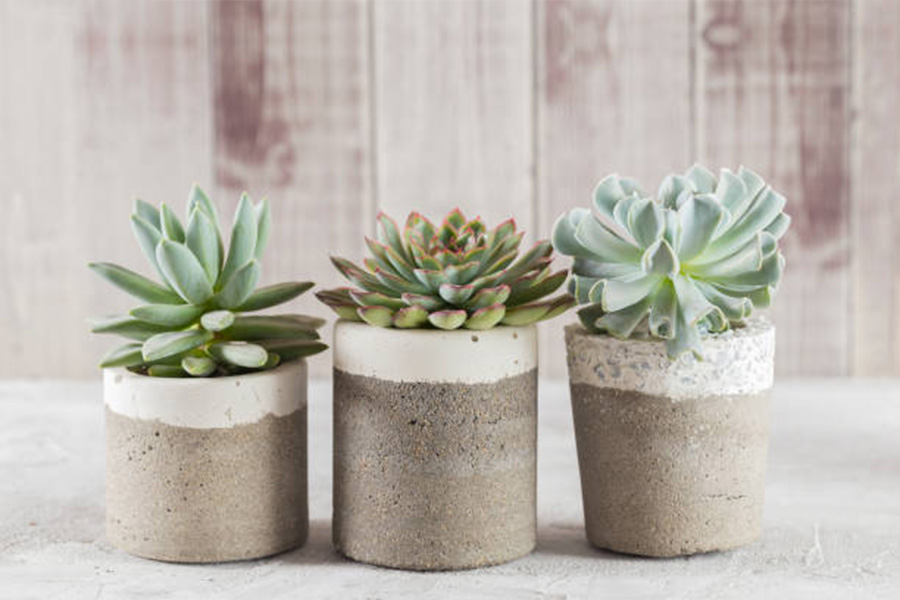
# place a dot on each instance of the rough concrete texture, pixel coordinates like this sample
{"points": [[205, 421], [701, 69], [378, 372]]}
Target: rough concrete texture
{"points": [[434, 476], [206, 495], [832, 528], [664, 478]]}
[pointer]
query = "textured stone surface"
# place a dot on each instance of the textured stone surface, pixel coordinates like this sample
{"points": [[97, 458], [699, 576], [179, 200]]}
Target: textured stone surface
{"points": [[206, 495], [737, 361], [435, 476], [663, 478], [831, 523]]}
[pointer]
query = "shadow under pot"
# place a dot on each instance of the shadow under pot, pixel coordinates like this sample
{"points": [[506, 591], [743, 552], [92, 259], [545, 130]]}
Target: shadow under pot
{"points": [[208, 469], [435, 436], [672, 454]]}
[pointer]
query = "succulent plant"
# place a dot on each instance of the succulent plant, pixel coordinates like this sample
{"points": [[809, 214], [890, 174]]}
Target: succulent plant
{"points": [[448, 277], [193, 324], [696, 260]]}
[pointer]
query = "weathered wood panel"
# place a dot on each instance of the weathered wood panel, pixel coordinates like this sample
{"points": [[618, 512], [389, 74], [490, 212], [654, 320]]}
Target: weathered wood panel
{"points": [[292, 124], [773, 93], [614, 89], [101, 102], [453, 108], [876, 184]]}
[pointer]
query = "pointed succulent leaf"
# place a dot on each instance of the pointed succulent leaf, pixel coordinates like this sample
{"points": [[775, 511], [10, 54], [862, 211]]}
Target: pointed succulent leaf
{"points": [[486, 317], [203, 240], [217, 320], [539, 289], [274, 295], [197, 199], [663, 309], [254, 328], [455, 295], [127, 327], [242, 246], [448, 319], [379, 316], [166, 371], [699, 216], [170, 226], [359, 277], [376, 299], [489, 296], [169, 315], [239, 354], [148, 237], [127, 355], [293, 349], [135, 284], [148, 212], [263, 227], [183, 272], [171, 343], [427, 302], [660, 259], [525, 314], [239, 286], [389, 234], [410, 317], [462, 273], [703, 179], [455, 219]]}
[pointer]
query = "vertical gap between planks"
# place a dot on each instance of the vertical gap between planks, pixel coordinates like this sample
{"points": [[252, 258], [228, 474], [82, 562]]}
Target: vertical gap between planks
{"points": [[374, 193], [535, 124], [692, 77], [853, 176]]}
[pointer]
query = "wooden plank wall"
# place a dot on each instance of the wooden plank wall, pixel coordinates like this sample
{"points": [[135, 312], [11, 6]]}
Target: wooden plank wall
{"points": [[336, 109]]}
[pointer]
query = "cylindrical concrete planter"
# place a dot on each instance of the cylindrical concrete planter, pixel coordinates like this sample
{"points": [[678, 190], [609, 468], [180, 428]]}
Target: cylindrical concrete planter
{"points": [[672, 453], [206, 470], [435, 436]]}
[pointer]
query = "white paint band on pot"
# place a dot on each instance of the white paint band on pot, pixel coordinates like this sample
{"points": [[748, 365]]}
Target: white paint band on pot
{"points": [[458, 356]]}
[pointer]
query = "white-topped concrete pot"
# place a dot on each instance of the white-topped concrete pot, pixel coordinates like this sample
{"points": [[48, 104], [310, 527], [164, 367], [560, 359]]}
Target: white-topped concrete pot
{"points": [[207, 469], [435, 436], [672, 454]]}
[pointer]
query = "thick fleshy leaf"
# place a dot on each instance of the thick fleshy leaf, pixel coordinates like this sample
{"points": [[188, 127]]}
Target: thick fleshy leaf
{"points": [[127, 327], [686, 339], [198, 366], [197, 198], [170, 226], [127, 355], [607, 194], [424, 228], [174, 342], [242, 246], [239, 287], [734, 308], [376, 299], [398, 285], [274, 295], [253, 328], [432, 280], [202, 239], [248, 356], [379, 316], [171, 316], [389, 234], [489, 296], [700, 216], [558, 306], [135, 284], [587, 289], [660, 259], [564, 229], [410, 317], [589, 316], [619, 294], [671, 188], [646, 221], [692, 305], [217, 320], [427, 302], [607, 246], [462, 273], [448, 319], [361, 278], [779, 226], [763, 211], [183, 272], [263, 227], [148, 237], [166, 371], [293, 349], [621, 324], [485, 318], [455, 295], [540, 289], [663, 309], [703, 179], [748, 258], [148, 212]]}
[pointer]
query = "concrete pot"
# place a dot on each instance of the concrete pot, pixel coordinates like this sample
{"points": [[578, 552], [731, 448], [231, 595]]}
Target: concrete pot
{"points": [[435, 436], [206, 470], [672, 453]]}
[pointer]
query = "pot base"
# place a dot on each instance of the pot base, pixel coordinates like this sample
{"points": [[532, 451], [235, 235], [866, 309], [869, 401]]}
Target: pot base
{"points": [[434, 476], [669, 478], [182, 494]]}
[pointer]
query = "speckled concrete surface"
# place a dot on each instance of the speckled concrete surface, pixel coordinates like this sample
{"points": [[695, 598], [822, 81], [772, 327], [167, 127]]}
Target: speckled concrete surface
{"points": [[206, 495], [831, 518], [435, 476], [664, 478]]}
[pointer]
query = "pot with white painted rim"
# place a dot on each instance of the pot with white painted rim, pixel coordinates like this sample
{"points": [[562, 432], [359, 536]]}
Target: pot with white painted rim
{"points": [[435, 436], [207, 469], [672, 454]]}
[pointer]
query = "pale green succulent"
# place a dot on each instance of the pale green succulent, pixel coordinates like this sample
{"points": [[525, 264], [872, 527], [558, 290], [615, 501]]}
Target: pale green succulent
{"points": [[698, 259], [458, 275], [193, 323]]}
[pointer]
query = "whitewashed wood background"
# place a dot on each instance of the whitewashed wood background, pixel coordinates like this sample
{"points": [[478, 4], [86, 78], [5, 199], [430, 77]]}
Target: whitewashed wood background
{"points": [[503, 107]]}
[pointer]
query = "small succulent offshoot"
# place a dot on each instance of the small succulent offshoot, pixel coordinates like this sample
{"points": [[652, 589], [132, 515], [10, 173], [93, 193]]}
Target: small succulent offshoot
{"points": [[194, 323], [457, 275], [697, 259]]}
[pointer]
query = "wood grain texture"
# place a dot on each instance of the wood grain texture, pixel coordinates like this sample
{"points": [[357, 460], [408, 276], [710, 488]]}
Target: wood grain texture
{"points": [[102, 102], [773, 93], [291, 110], [453, 108], [876, 183], [614, 85]]}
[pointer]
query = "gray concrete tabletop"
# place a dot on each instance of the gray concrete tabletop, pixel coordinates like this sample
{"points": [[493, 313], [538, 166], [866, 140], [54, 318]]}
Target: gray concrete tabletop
{"points": [[832, 515]]}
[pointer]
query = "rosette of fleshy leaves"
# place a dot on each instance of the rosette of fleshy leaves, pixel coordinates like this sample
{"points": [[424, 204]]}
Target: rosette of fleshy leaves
{"points": [[456, 275], [697, 259], [194, 323]]}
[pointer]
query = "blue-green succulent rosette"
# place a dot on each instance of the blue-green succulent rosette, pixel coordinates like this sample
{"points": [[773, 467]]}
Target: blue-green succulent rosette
{"points": [[697, 259], [193, 322]]}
